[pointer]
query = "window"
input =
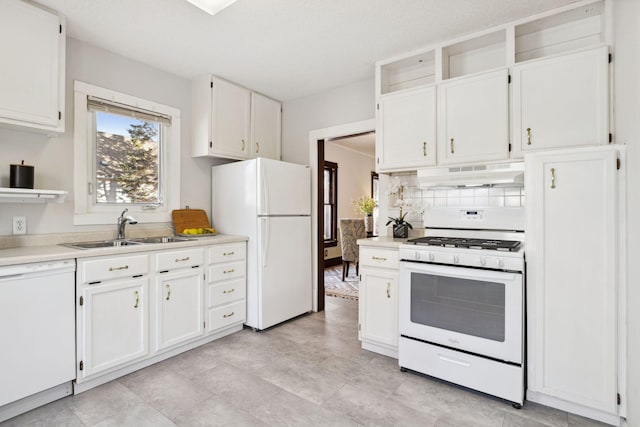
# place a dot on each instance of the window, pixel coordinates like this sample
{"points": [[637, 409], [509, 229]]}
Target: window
{"points": [[127, 155], [330, 203]]}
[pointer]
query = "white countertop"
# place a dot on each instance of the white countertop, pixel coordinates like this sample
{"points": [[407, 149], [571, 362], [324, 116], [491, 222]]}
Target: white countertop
{"points": [[30, 254], [382, 241]]}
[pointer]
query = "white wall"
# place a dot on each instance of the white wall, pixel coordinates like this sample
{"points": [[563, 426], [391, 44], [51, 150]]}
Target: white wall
{"points": [[354, 181], [53, 157], [627, 131], [345, 104]]}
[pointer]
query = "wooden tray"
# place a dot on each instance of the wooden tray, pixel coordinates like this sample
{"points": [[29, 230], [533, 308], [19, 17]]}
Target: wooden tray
{"points": [[189, 218]]}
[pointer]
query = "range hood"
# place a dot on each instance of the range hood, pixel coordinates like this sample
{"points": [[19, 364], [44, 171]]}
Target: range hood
{"points": [[472, 175]]}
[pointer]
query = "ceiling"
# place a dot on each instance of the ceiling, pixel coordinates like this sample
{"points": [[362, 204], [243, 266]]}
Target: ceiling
{"points": [[285, 49], [363, 143]]}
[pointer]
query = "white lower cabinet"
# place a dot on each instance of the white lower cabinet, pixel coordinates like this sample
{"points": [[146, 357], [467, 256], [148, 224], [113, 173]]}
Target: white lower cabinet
{"points": [[572, 269], [378, 300], [137, 309], [113, 325]]}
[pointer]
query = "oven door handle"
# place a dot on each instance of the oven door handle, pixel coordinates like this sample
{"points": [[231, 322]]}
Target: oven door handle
{"points": [[457, 272]]}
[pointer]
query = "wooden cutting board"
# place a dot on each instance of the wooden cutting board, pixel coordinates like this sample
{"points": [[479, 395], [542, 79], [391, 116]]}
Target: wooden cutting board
{"points": [[189, 218]]}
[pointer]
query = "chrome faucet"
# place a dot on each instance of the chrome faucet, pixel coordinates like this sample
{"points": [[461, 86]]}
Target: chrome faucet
{"points": [[122, 221]]}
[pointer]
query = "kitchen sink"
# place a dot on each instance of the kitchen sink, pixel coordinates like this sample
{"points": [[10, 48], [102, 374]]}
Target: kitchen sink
{"points": [[161, 239], [127, 242]]}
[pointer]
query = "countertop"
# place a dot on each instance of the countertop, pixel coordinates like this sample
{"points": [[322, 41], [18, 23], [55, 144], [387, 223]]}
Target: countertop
{"points": [[30, 254], [382, 241]]}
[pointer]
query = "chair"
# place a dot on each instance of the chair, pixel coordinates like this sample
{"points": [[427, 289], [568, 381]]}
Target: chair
{"points": [[350, 231]]}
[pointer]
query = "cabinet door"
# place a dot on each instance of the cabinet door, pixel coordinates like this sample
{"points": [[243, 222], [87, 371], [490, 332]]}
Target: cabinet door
{"points": [[473, 119], [179, 305], [114, 325], [379, 306], [32, 72], [406, 130], [562, 101], [571, 272], [265, 127], [230, 120]]}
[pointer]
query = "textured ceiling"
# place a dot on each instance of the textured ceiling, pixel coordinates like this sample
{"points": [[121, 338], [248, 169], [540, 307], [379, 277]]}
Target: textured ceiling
{"points": [[285, 49]]}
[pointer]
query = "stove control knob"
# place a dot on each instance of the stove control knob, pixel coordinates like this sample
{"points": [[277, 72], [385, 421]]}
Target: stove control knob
{"points": [[431, 256], [483, 261], [456, 259], [416, 255], [500, 262]]}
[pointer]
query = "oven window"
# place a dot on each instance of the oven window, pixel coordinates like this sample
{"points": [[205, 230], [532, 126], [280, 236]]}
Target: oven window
{"points": [[471, 307]]}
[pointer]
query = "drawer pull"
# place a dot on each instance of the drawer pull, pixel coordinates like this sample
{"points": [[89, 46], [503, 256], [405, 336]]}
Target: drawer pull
{"points": [[182, 259], [553, 177], [168, 292], [124, 267], [229, 271], [137, 299], [228, 315], [229, 291], [377, 258], [228, 253]]}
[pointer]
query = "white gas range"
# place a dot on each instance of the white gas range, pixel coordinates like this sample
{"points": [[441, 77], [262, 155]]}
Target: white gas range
{"points": [[461, 301]]}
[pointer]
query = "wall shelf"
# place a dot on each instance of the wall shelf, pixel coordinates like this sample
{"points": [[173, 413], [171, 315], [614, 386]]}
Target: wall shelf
{"points": [[24, 195]]}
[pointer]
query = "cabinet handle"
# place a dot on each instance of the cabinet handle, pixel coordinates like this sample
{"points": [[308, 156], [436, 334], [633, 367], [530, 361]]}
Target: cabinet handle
{"points": [[228, 315], [528, 136], [452, 147], [182, 259], [137, 299], [257, 147], [228, 291], [377, 258], [227, 253], [424, 149], [229, 271], [553, 177], [388, 289], [243, 145], [124, 267], [168, 292]]}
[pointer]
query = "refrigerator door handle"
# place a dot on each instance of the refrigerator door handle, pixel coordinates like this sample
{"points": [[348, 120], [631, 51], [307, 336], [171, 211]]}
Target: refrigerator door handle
{"points": [[265, 241], [265, 192]]}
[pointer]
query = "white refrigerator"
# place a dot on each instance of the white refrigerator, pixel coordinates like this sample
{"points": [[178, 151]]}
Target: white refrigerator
{"points": [[270, 202]]}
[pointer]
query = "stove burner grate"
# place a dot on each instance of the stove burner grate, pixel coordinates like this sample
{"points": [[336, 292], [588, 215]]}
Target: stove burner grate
{"points": [[458, 242]]}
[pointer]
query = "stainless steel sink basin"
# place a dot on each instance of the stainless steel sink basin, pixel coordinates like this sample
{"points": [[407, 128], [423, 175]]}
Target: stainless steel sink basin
{"points": [[101, 244], [161, 239]]}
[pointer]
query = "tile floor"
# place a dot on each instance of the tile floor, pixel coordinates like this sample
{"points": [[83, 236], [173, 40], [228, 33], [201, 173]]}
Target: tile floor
{"points": [[307, 372]]}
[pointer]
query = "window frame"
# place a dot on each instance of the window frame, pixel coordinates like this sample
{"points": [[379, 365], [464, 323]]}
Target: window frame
{"points": [[86, 211], [332, 167]]}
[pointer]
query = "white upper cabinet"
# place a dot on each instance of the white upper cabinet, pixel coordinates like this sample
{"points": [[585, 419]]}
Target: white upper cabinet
{"points": [[474, 118], [562, 101], [224, 121], [265, 126], [406, 130], [32, 46]]}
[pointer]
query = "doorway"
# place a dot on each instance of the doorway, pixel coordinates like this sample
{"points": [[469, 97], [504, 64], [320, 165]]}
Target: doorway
{"points": [[317, 140]]}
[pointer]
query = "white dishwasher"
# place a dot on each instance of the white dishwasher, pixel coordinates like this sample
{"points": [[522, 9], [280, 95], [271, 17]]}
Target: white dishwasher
{"points": [[37, 329]]}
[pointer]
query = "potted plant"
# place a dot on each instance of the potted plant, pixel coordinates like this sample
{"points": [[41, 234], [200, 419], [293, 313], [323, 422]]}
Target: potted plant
{"points": [[400, 226], [366, 205]]}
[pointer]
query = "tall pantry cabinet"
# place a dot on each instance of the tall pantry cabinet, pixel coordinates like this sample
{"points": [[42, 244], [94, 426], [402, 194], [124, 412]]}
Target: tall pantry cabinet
{"points": [[572, 254]]}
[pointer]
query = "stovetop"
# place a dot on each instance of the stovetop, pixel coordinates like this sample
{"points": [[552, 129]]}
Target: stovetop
{"points": [[470, 243]]}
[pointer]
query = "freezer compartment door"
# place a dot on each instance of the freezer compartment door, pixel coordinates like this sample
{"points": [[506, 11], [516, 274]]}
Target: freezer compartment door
{"points": [[283, 188], [284, 269]]}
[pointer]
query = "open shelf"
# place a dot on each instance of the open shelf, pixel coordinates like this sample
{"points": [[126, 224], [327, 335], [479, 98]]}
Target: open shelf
{"points": [[24, 195], [414, 71], [474, 55]]}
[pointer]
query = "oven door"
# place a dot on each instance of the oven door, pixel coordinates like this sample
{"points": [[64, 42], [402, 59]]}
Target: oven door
{"points": [[474, 310]]}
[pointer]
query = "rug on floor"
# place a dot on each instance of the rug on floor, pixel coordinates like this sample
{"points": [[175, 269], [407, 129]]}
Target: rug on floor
{"points": [[335, 287]]}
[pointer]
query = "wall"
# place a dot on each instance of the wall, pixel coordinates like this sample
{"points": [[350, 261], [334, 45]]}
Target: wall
{"points": [[354, 181], [53, 157], [345, 104], [627, 130]]}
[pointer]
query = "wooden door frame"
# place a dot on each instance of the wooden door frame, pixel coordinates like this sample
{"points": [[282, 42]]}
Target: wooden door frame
{"points": [[316, 154]]}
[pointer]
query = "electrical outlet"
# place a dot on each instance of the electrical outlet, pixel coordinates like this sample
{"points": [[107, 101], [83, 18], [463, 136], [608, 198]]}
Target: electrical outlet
{"points": [[19, 225]]}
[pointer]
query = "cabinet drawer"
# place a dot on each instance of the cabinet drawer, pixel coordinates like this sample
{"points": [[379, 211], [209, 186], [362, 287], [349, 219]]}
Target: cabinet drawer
{"points": [[224, 293], [228, 271], [178, 259], [97, 270], [226, 315], [227, 253], [374, 257]]}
